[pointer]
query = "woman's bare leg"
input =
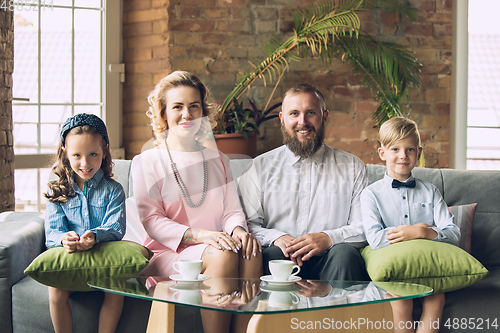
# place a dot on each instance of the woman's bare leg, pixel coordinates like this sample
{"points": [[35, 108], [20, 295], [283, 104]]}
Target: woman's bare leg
{"points": [[60, 311], [218, 263]]}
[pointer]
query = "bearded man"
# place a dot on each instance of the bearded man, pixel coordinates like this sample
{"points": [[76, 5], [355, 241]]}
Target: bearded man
{"points": [[302, 199]]}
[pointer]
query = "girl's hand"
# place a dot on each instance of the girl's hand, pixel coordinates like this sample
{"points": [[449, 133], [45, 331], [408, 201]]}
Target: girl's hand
{"points": [[70, 241], [249, 244], [87, 241]]}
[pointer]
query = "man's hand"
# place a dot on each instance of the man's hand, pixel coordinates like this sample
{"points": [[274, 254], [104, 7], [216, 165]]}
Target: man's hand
{"points": [[309, 245], [282, 243], [409, 232], [310, 288]]}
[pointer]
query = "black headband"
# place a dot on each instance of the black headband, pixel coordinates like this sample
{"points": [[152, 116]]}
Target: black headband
{"points": [[83, 119]]}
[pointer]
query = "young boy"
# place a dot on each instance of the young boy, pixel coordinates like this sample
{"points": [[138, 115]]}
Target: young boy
{"points": [[400, 207]]}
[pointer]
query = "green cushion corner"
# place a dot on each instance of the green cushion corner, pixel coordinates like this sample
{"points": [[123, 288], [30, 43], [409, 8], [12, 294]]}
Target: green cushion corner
{"points": [[71, 271], [441, 266]]}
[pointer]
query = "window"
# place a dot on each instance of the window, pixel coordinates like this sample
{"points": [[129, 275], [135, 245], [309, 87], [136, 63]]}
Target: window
{"points": [[60, 60], [483, 114]]}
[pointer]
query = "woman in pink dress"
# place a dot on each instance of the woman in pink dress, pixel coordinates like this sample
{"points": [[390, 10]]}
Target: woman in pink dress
{"points": [[185, 195]]}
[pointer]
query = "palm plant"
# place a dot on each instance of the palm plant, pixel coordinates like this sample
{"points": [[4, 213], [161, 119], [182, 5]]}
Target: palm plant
{"points": [[331, 30]]}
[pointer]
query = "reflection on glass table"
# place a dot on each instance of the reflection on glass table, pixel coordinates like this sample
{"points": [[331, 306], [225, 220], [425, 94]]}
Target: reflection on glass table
{"points": [[253, 296]]}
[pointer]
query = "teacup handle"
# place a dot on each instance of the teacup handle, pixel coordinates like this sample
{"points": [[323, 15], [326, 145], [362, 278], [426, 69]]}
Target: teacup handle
{"points": [[296, 298], [293, 273], [175, 266], [175, 296]]}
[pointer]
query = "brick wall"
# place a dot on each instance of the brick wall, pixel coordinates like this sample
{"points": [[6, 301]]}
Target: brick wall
{"points": [[216, 39], [6, 140]]}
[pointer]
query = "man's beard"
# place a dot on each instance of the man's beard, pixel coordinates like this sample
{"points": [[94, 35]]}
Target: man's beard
{"points": [[306, 148]]}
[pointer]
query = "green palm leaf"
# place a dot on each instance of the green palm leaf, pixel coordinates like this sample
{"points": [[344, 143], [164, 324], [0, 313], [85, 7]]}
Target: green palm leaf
{"points": [[331, 29]]}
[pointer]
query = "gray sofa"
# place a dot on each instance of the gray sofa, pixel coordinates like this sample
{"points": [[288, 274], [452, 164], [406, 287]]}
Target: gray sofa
{"points": [[24, 302]]}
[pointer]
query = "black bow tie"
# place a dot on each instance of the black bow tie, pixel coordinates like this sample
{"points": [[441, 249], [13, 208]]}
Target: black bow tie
{"points": [[397, 184]]}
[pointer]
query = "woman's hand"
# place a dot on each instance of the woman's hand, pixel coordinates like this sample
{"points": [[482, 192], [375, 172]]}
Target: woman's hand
{"points": [[249, 244], [219, 239], [248, 291]]}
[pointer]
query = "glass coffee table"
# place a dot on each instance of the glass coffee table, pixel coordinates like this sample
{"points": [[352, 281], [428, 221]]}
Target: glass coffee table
{"points": [[260, 299]]}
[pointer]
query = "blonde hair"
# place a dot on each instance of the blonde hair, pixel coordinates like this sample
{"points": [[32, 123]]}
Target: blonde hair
{"points": [[306, 88], [157, 100], [397, 129], [60, 190]]}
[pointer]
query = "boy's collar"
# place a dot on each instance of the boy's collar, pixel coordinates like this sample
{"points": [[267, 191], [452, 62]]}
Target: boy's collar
{"points": [[388, 179]]}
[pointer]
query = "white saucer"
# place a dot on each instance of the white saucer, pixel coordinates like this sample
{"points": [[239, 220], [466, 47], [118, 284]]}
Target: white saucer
{"points": [[189, 286], [178, 278], [269, 279], [274, 288]]}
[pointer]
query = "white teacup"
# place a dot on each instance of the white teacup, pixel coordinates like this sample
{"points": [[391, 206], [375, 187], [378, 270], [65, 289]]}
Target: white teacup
{"points": [[282, 299], [281, 270], [189, 268], [187, 296]]}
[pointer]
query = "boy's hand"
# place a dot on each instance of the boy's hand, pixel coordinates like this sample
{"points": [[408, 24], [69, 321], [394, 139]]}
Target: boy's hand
{"points": [[86, 242], [70, 241], [409, 232]]}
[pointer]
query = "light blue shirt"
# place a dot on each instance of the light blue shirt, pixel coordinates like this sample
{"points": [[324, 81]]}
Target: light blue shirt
{"points": [[284, 194], [101, 210], [385, 208]]}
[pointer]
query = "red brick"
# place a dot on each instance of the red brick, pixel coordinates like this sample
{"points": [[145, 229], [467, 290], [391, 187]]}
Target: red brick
{"points": [[147, 15], [133, 55], [161, 52], [436, 121], [151, 66], [202, 52], [139, 80], [146, 41], [372, 159], [343, 133], [442, 95], [337, 144], [364, 146], [135, 105], [340, 119], [343, 92], [192, 26], [366, 106], [436, 69], [427, 6], [215, 13], [189, 12], [443, 108], [443, 30], [186, 39], [435, 17], [364, 93], [434, 43], [390, 17], [218, 39], [130, 5], [137, 29], [201, 3], [418, 30]]}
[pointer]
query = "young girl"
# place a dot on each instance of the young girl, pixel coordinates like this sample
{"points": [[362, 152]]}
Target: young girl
{"points": [[185, 195], [85, 207]]}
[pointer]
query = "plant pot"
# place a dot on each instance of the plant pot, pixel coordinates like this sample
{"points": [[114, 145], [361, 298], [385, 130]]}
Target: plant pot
{"points": [[236, 146]]}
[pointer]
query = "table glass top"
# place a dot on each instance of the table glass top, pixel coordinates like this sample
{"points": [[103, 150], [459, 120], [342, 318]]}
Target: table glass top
{"points": [[253, 296]]}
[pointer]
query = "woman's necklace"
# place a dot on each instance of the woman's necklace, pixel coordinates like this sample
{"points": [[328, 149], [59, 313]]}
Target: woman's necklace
{"points": [[182, 186]]}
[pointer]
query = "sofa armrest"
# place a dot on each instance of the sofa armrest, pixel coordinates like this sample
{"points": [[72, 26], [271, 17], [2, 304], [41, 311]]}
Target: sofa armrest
{"points": [[22, 239]]}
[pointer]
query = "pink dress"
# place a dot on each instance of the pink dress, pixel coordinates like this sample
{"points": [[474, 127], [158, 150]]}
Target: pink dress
{"points": [[164, 213]]}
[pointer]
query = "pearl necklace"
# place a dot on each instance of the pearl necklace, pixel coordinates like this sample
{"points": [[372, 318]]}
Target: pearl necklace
{"points": [[182, 186]]}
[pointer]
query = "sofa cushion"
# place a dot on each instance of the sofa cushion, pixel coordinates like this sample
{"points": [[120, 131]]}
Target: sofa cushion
{"points": [[464, 218], [71, 271], [441, 266]]}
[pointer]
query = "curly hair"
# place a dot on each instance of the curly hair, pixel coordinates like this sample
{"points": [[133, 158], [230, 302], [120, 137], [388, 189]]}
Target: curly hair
{"points": [[60, 190], [157, 100]]}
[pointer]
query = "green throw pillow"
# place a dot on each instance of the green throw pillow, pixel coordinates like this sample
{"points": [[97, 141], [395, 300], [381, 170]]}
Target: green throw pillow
{"points": [[71, 271], [441, 266]]}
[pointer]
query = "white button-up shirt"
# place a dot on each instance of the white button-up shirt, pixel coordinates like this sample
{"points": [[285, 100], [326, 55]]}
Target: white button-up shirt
{"points": [[284, 194], [385, 208]]}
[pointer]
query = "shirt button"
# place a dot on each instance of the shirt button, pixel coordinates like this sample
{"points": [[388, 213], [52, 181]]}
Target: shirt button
{"points": [[406, 216], [404, 198], [423, 205]]}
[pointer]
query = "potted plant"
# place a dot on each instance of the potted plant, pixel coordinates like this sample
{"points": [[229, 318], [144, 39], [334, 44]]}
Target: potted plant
{"points": [[238, 127], [331, 29]]}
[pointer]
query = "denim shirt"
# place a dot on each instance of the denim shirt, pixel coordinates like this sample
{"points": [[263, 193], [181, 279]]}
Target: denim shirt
{"points": [[101, 210]]}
